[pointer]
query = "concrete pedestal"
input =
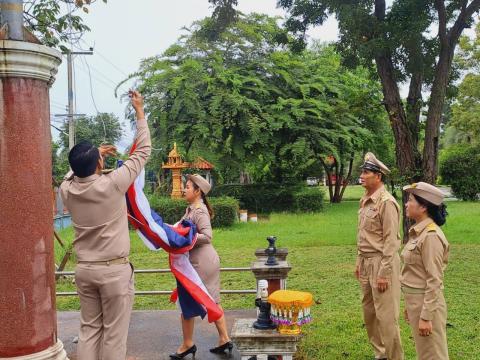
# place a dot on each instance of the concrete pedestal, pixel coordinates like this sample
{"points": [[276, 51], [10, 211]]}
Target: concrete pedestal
{"points": [[27, 283], [262, 343], [276, 275]]}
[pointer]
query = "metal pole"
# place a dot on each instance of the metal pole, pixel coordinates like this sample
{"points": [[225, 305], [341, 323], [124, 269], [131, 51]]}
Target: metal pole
{"points": [[71, 120], [11, 14]]}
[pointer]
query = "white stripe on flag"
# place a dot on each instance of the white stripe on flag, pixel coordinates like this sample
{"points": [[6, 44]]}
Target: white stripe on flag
{"points": [[144, 207]]}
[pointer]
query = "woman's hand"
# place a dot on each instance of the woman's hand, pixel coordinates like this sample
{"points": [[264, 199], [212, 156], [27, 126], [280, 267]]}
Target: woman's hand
{"points": [[425, 327]]}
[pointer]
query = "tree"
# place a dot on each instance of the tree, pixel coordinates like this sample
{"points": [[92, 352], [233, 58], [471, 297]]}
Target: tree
{"points": [[99, 129], [55, 21], [60, 164], [466, 107], [398, 39], [247, 102], [103, 128]]}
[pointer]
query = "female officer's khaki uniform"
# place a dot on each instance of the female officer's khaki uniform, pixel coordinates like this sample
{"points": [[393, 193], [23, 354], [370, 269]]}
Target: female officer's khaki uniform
{"points": [[425, 257], [203, 256]]}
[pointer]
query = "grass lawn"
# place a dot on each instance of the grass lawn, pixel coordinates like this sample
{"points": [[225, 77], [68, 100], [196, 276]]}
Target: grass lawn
{"points": [[322, 254]]}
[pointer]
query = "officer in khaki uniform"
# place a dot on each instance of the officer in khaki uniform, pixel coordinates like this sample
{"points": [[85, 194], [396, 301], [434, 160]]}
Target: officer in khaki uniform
{"points": [[378, 262], [424, 258], [103, 276]]}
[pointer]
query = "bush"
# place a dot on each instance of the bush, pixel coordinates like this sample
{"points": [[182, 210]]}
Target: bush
{"points": [[226, 211], [308, 200], [271, 197], [171, 210], [460, 168], [225, 208], [259, 198]]}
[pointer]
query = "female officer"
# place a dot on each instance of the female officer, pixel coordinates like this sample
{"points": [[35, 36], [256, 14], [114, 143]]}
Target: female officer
{"points": [[424, 258], [206, 262]]}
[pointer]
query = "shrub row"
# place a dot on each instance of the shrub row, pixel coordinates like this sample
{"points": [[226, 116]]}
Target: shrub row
{"points": [[272, 197], [225, 208]]}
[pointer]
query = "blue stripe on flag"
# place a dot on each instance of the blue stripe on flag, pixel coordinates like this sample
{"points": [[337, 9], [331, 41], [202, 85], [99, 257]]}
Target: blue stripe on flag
{"points": [[190, 308]]}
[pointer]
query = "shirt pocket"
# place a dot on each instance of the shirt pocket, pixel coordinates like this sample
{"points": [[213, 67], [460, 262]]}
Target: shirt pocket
{"points": [[372, 219], [411, 254]]}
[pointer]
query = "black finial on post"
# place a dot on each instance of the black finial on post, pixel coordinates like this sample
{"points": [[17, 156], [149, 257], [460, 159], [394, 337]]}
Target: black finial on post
{"points": [[271, 251]]}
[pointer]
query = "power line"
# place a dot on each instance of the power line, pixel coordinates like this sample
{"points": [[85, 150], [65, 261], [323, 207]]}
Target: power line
{"points": [[94, 104], [102, 75], [99, 80], [106, 59], [57, 103], [98, 74]]}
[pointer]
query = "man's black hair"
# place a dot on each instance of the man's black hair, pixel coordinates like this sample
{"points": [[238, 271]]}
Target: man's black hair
{"points": [[83, 159]]}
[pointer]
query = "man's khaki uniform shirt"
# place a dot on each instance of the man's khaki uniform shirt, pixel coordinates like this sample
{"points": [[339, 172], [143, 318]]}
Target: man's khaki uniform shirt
{"points": [[378, 228], [98, 206]]}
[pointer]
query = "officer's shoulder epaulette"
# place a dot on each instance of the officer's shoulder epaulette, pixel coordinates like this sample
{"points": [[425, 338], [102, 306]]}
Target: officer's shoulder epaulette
{"points": [[386, 196], [432, 227]]}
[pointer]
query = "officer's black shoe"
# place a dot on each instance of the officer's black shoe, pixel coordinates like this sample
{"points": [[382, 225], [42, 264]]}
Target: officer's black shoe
{"points": [[192, 350]]}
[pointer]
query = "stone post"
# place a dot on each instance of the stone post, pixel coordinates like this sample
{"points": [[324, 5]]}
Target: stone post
{"points": [[27, 284]]}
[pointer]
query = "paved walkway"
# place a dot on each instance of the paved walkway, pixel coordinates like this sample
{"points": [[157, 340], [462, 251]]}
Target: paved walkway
{"points": [[155, 334]]}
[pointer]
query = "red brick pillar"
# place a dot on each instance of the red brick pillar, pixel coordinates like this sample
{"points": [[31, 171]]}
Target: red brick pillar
{"points": [[27, 283]]}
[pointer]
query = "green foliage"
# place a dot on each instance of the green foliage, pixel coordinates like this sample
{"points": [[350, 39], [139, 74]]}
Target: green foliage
{"points": [[103, 128], [56, 22], [259, 197], [60, 164], [308, 200], [466, 108], [394, 40], [99, 129], [171, 210], [273, 197], [252, 106], [225, 209], [460, 168]]}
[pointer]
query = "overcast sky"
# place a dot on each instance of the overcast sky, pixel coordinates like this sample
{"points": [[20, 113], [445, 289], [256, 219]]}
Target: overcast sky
{"points": [[123, 33]]}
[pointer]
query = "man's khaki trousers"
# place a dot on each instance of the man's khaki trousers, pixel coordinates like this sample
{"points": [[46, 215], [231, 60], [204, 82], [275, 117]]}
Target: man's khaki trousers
{"points": [[433, 346], [381, 310], [106, 298]]}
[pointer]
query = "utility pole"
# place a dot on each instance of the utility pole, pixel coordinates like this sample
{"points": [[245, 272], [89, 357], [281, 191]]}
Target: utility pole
{"points": [[71, 115]]}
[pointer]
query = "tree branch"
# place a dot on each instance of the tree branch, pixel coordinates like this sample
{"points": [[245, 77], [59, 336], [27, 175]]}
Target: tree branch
{"points": [[380, 9], [461, 23], [442, 21]]}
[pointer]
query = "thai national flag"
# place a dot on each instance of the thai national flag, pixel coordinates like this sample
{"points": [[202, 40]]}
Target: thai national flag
{"points": [[177, 240]]}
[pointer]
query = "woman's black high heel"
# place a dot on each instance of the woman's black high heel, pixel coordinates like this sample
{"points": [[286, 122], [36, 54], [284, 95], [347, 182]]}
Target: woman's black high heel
{"points": [[221, 349], [192, 350]]}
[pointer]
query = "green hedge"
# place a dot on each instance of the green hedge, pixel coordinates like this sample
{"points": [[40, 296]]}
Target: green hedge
{"points": [[225, 208], [308, 200], [273, 197], [460, 168]]}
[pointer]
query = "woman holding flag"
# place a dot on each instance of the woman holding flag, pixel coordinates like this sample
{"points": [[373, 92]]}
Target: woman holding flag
{"points": [[206, 262]]}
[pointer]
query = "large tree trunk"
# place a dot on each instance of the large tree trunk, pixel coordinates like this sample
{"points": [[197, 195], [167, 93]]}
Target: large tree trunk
{"points": [[404, 149], [413, 111], [434, 117], [448, 42]]}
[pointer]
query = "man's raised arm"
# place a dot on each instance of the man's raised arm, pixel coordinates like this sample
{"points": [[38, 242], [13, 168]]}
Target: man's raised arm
{"points": [[126, 174]]}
